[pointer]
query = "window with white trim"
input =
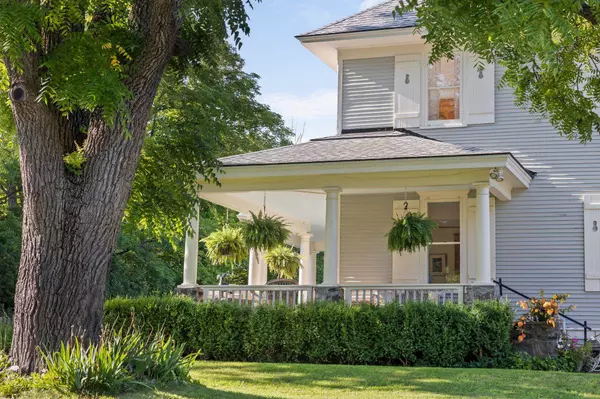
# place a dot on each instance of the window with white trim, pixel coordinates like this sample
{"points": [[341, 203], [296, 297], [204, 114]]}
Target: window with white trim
{"points": [[444, 91], [449, 93]]}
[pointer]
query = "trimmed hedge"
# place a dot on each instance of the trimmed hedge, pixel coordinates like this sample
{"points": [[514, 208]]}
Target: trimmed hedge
{"points": [[424, 334]]}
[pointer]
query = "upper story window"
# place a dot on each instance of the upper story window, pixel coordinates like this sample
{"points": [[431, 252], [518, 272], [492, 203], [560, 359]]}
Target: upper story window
{"points": [[444, 90]]}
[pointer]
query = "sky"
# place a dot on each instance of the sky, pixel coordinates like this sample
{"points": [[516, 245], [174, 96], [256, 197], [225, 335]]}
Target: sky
{"points": [[294, 82]]}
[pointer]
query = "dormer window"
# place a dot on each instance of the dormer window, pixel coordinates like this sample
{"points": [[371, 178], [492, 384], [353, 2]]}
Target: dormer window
{"points": [[444, 92]]}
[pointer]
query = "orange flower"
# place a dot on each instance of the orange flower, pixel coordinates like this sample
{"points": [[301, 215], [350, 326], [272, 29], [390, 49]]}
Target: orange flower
{"points": [[551, 322], [520, 324], [521, 337]]}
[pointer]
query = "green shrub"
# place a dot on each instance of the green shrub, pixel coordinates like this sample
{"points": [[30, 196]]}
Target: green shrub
{"points": [[425, 334]]}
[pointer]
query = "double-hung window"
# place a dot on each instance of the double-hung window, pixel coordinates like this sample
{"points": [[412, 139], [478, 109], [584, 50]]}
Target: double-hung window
{"points": [[444, 91]]}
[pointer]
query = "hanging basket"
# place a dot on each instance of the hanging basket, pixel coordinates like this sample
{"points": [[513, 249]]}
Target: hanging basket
{"points": [[284, 261], [264, 232], [226, 246], [411, 233]]}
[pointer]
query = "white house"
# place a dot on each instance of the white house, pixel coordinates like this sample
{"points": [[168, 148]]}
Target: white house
{"points": [[513, 199]]}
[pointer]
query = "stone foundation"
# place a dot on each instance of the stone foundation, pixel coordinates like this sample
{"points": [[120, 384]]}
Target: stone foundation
{"points": [[333, 294], [192, 292], [479, 292]]}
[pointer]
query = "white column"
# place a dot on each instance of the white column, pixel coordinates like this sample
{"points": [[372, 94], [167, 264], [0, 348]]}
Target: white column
{"points": [[263, 269], [308, 272], [332, 224], [483, 255], [190, 263], [253, 268], [257, 268]]}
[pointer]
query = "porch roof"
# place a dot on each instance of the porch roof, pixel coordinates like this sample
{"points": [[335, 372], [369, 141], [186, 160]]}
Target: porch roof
{"points": [[370, 146]]}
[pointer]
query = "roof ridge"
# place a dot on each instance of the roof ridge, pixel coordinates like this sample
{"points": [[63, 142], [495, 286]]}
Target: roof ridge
{"points": [[345, 18]]}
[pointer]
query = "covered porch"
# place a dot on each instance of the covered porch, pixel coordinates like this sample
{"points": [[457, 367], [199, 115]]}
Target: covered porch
{"points": [[339, 195]]}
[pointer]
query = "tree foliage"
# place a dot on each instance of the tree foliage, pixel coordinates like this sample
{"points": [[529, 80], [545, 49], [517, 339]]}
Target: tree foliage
{"points": [[549, 50], [214, 112]]}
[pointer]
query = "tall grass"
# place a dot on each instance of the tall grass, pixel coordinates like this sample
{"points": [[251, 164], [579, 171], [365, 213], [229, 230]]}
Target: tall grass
{"points": [[6, 333], [121, 361]]}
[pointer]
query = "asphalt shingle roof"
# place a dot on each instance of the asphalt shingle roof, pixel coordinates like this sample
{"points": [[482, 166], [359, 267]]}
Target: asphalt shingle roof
{"points": [[356, 147], [374, 18]]}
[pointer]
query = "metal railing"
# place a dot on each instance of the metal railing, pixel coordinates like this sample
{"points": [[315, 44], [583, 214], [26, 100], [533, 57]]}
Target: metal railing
{"points": [[585, 326], [258, 294], [386, 293]]}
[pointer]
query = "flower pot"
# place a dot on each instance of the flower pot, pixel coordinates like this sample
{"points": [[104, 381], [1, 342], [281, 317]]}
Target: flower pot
{"points": [[541, 339]]}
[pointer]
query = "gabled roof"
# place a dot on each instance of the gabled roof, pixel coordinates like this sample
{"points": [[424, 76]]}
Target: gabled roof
{"points": [[401, 144], [374, 18]]}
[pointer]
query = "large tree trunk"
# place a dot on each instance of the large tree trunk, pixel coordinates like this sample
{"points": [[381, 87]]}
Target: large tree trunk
{"points": [[71, 221]]}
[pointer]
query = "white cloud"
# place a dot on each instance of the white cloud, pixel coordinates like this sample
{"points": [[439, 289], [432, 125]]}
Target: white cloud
{"points": [[322, 103], [312, 115], [370, 3]]}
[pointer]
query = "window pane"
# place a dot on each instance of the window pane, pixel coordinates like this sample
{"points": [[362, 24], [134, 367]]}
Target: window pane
{"points": [[443, 83]]}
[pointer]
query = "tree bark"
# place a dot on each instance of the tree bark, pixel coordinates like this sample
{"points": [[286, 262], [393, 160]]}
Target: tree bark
{"points": [[71, 222]]}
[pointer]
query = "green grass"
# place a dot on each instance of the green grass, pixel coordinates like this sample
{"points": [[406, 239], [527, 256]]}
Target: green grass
{"points": [[255, 381]]}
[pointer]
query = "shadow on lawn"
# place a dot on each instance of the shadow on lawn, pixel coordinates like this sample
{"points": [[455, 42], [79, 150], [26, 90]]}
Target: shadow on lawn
{"points": [[191, 391], [387, 380]]}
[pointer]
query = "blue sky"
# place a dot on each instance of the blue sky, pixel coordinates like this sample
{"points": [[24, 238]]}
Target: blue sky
{"points": [[294, 82]]}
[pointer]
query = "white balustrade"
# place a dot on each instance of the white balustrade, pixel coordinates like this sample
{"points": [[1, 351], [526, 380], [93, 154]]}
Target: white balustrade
{"points": [[259, 294], [381, 294], [292, 295]]}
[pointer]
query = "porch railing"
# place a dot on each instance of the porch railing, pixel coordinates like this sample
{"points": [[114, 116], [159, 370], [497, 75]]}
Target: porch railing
{"points": [[376, 294], [387, 293], [258, 294]]}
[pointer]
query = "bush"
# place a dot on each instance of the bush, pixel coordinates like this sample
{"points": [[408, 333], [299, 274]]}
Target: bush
{"points": [[424, 334]]}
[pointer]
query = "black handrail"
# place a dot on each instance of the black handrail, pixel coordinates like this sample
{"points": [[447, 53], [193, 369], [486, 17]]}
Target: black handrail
{"points": [[584, 324]]}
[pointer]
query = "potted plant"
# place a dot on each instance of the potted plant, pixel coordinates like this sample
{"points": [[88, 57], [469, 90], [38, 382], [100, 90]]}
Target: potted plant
{"points": [[537, 329], [284, 261], [411, 232], [226, 246], [264, 232]]}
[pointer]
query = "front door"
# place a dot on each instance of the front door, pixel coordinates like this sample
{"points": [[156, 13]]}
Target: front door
{"points": [[408, 268]]}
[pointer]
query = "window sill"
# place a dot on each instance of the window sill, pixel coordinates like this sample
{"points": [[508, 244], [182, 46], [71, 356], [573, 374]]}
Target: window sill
{"points": [[443, 126]]}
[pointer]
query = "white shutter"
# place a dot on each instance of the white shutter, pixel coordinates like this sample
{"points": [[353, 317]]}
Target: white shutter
{"points": [[479, 89], [592, 241], [408, 90], [408, 268]]}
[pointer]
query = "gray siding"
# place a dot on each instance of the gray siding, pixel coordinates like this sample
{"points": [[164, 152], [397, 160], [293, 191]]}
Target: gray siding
{"points": [[539, 234], [364, 221], [368, 93]]}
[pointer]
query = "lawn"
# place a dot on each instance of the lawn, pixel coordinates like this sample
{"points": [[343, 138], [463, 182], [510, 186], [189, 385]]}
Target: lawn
{"points": [[254, 381]]}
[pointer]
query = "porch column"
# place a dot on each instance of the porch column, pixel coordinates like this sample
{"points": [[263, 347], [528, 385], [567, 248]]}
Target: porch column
{"points": [[308, 272], [190, 263], [483, 255], [257, 268], [332, 225]]}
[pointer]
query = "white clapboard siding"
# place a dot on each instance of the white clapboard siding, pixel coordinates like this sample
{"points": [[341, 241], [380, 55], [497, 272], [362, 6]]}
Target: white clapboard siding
{"points": [[368, 93], [540, 233]]}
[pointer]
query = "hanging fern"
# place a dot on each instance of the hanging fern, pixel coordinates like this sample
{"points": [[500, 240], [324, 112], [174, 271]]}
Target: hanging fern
{"points": [[264, 232], [284, 261], [226, 246], [410, 233]]}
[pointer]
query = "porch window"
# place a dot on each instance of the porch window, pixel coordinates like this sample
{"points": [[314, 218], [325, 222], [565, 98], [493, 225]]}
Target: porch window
{"points": [[444, 253], [443, 90]]}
